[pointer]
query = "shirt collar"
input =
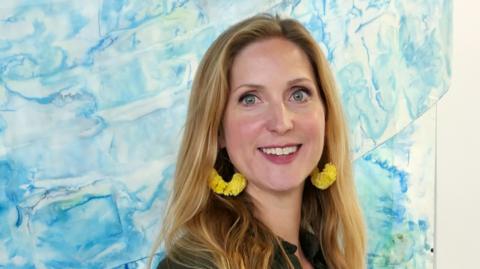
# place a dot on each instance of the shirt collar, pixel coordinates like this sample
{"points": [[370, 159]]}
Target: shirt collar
{"points": [[310, 246]]}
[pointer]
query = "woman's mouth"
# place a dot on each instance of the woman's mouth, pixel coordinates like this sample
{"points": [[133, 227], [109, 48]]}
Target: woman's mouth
{"points": [[280, 154]]}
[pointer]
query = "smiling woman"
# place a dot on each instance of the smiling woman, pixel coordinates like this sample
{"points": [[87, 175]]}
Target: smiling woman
{"points": [[263, 177]]}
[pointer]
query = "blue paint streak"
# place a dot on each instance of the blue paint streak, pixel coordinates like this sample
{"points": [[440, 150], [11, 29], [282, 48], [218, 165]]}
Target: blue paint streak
{"points": [[355, 11], [19, 217], [402, 176], [103, 44], [362, 25], [395, 213], [294, 5], [423, 225], [39, 100], [411, 225]]}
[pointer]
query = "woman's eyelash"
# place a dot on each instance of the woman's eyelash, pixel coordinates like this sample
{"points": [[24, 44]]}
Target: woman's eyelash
{"points": [[242, 97], [300, 88], [306, 94]]}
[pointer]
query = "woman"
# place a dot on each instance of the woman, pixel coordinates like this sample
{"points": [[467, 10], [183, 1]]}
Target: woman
{"points": [[263, 177]]}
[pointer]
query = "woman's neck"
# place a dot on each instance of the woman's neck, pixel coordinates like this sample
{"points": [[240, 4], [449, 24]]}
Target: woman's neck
{"points": [[281, 212]]}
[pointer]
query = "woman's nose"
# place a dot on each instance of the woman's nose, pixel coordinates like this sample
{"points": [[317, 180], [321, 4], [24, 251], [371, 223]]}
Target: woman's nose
{"points": [[280, 119]]}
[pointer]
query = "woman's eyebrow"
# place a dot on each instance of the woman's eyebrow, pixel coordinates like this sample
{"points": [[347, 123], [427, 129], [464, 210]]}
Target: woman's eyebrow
{"points": [[258, 86], [250, 85], [298, 80]]}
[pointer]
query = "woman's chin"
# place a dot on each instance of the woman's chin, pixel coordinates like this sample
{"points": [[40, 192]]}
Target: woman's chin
{"points": [[281, 187]]}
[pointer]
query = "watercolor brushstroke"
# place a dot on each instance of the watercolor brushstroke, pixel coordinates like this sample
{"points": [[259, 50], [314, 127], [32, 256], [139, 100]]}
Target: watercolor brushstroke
{"points": [[93, 97]]}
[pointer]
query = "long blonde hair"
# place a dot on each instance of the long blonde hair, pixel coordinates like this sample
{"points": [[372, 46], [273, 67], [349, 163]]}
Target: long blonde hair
{"points": [[202, 229]]}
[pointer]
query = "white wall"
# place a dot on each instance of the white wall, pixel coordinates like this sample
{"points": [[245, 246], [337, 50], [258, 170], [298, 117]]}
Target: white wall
{"points": [[458, 148]]}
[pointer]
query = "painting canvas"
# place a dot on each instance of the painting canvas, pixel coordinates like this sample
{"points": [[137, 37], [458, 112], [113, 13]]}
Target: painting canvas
{"points": [[93, 98]]}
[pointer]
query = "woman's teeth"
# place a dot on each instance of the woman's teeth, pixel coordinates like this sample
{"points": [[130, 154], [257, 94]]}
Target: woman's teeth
{"points": [[280, 151]]}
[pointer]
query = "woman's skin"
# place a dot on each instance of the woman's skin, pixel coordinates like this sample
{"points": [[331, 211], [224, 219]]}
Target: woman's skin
{"points": [[274, 128]]}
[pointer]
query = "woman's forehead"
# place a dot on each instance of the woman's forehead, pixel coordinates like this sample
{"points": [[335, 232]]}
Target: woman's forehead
{"points": [[275, 58]]}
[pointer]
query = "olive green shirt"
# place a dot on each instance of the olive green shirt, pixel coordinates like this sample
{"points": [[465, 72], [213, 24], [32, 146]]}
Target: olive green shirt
{"points": [[310, 247]]}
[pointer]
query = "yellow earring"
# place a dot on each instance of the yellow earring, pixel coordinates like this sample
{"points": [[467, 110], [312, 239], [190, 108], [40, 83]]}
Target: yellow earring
{"points": [[232, 188], [324, 179]]}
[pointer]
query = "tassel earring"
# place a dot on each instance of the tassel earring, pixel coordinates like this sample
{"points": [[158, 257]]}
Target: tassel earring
{"points": [[233, 188], [324, 179]]}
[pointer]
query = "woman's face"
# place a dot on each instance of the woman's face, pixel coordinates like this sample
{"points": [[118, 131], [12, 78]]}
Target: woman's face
{"points": [[274, 123]]}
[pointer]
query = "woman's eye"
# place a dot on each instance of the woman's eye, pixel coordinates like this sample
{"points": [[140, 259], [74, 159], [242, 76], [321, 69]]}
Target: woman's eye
{"points": [[248, 99], [300, 95]]}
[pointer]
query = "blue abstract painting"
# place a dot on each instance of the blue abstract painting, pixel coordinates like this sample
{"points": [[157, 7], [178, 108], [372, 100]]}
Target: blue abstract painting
{"points": [[93, 97]]}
